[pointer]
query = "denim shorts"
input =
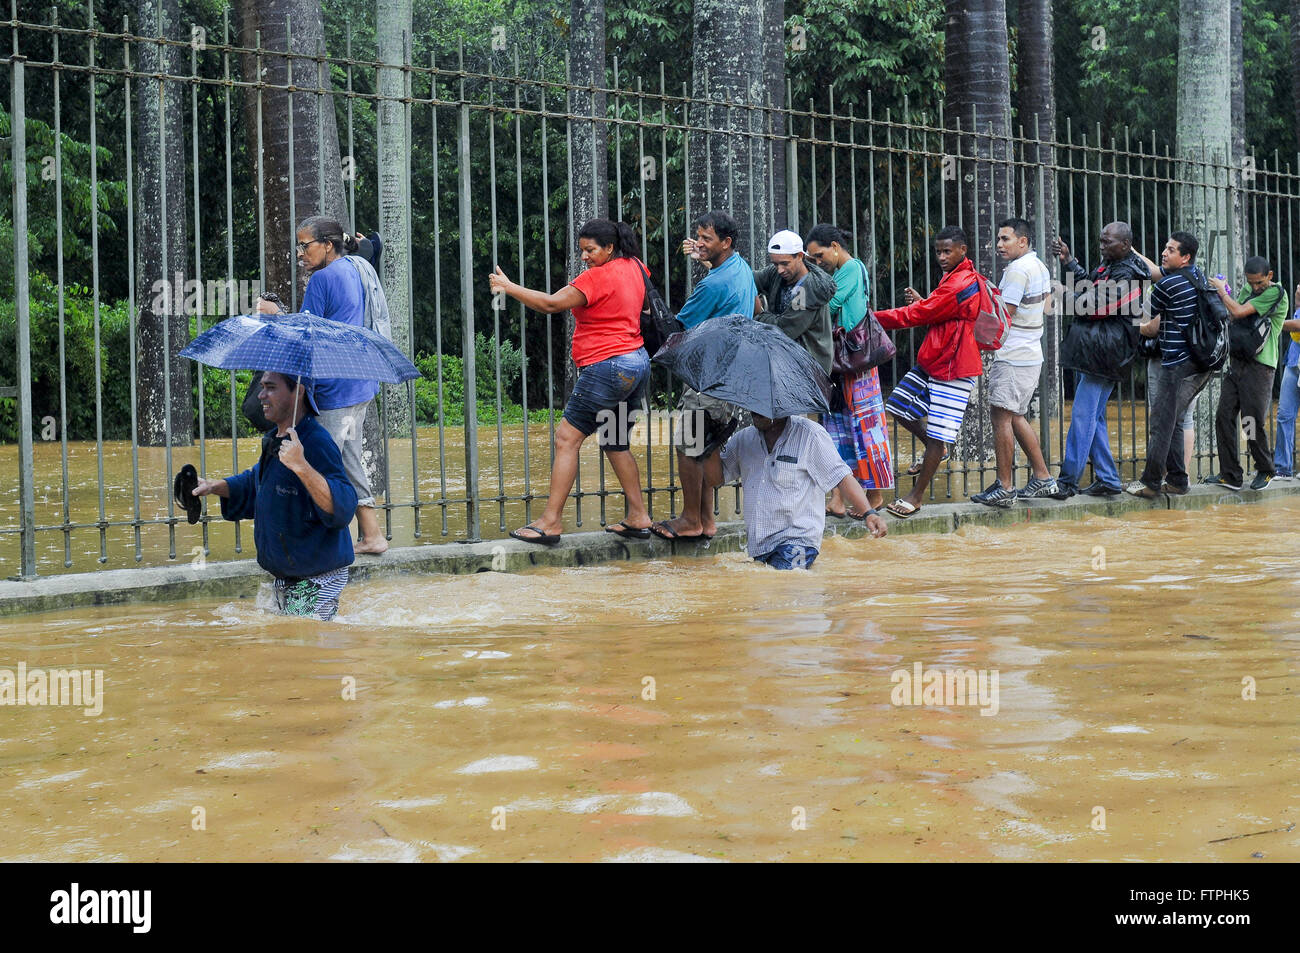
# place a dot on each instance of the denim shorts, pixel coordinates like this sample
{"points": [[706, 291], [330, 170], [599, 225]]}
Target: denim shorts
{"points": [[789, 556], [607, 395]]}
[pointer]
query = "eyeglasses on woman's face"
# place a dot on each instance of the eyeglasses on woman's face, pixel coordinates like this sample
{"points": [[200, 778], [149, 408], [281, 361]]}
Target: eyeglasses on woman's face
{"points": [[303, 246]]}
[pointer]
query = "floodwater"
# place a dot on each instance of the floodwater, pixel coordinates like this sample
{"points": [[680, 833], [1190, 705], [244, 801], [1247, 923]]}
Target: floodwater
{"points": [[439, 464], [688, 709]]}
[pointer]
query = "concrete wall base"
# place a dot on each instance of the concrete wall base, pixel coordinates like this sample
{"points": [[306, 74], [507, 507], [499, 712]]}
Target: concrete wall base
{"points": [[241, 578]]}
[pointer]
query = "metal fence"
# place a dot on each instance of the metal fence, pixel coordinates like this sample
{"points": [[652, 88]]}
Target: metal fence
{"points": [[490, 163]]}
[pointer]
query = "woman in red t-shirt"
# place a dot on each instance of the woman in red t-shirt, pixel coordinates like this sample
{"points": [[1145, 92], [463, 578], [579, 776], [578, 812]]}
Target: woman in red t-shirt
{"points": [[613, 370]]}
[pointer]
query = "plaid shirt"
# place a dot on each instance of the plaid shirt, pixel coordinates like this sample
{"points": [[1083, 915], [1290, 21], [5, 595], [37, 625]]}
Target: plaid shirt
{"points": [[784, 492]]}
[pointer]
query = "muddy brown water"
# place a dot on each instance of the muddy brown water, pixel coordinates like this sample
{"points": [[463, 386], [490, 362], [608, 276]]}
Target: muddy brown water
{"points": [[1122, 648], [440, 478]]}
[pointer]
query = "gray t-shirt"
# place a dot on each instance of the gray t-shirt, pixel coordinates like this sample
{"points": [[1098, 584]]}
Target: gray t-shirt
{"points": [[784, 492]]}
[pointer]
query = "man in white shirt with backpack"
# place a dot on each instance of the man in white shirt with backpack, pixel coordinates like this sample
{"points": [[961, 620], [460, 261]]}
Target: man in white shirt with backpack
{"points": [[1013, 376]]}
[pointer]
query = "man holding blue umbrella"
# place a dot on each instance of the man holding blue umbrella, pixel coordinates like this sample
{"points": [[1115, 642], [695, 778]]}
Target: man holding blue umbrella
{"points": [[300, 500]]}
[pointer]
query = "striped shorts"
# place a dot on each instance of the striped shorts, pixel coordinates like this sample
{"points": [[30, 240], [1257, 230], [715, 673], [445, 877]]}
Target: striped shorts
{"points": [[316, 596], [941, 403]]}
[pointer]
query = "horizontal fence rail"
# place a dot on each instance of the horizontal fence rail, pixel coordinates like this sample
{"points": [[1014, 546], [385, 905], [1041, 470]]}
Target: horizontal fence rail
{"points": [[144, 206]]}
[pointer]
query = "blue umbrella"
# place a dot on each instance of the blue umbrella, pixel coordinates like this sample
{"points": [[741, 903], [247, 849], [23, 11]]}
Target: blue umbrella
{"points": [[301, 345]]}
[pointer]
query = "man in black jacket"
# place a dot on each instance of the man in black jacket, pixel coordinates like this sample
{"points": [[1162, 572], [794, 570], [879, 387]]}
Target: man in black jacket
{"points": [[1099, 346], [794, 295]]}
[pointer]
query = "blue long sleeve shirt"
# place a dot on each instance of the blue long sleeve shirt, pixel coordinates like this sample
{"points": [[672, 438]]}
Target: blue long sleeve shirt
{"points": [[295, 538]]}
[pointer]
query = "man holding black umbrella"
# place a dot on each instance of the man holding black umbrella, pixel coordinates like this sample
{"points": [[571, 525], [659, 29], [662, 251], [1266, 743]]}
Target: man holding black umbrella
{"points": [[300, 499], [786, 467]]}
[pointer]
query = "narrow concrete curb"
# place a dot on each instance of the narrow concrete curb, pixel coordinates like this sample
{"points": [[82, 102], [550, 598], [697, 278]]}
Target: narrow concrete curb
{"points": [[241, 578]]}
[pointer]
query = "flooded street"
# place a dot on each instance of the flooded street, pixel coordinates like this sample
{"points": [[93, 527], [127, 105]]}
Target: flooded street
{"points": [[699, 709], [505, 480]]}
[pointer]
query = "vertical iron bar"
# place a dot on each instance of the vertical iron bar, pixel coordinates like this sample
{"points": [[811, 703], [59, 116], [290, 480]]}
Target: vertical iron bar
{"points": [[22, 314]]}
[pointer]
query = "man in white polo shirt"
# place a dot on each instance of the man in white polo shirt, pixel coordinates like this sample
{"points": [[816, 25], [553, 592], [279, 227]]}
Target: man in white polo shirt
{"points": [[786, 467], [1012, 378]]}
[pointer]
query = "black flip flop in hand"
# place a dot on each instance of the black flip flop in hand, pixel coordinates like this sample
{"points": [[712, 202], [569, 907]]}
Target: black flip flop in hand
{"points": [[183, 490]]}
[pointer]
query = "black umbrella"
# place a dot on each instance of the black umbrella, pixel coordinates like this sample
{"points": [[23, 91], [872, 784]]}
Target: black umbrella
{"points": [[750, 364]]}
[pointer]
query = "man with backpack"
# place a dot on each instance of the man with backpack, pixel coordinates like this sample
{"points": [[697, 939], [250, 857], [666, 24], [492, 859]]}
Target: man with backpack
{"points": [[1013, 376], [938, 388], [1099, 347], [1257, 318], [1174, 313]]}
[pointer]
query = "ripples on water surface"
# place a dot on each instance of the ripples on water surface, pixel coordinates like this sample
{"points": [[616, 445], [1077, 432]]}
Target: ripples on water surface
{"points": [[521, 697]]}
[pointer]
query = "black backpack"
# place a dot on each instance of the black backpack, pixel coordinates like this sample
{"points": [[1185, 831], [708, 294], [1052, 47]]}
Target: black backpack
{"points": [[1247, 336], [658, 324], [1207, 331]]}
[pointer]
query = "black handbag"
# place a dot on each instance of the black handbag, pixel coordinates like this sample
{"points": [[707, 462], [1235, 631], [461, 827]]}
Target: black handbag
{"points": [[1247, 336], [657, 322]]}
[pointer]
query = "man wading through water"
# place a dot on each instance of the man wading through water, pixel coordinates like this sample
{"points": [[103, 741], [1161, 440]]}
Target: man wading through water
{"points": [[300, 500]]}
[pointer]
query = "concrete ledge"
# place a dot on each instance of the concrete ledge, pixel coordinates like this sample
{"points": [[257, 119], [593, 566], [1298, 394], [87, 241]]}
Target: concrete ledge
{"points": [[241, 578]]}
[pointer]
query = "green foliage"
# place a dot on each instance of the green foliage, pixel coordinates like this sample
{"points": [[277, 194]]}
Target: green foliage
{"points": [[453, 386], [79, 362], [44, 176], [892, 48], [1117, 64]]}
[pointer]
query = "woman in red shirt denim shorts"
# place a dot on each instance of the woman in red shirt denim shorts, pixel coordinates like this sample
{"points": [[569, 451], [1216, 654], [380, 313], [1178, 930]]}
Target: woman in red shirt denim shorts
{"points": [[613, 369]]}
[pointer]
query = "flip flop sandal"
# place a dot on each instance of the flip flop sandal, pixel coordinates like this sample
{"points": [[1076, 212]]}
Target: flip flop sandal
{"points": [[664, 531], [183, 491], [902, 509], [839, 516], [628, 532], [915, 468], [542, 539]]}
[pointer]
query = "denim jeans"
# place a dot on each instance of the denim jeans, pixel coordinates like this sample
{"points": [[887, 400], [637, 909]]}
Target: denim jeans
{"points": [[1287, 403], [1089, 437], [1247, 393], [789, 556], [1176, 389], [606, 396]]}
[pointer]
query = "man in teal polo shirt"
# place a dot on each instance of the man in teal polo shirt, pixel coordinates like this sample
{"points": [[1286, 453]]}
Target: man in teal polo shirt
{"points": [[707, 422]]}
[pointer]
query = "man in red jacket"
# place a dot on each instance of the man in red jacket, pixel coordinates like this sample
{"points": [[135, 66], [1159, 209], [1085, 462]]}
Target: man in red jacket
{"points": [[938, 388]]}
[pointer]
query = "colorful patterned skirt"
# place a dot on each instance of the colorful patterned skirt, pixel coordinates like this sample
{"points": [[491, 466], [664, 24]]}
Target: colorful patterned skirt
{"points": [[860, 432]]}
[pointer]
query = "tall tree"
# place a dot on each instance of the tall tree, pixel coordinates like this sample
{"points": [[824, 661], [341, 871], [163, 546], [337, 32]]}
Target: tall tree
{"points": [[1238, 84], [978, 105], [282, 27], [774, 86], [588, 140], [1037, 117], [293, 26], [163, 396], [728, 163], [1204, 144], [393, 37], [1295, 67]]}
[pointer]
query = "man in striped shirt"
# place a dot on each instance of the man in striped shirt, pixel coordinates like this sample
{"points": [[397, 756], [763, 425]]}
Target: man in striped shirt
{"points": [[1013, 377], [1171, 307]]}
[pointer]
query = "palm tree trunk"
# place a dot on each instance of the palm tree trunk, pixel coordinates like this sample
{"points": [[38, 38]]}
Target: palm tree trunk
{"points": [[589, 141], [164, 379], [1038, 122], [392, 37], [1204, 141], [978, 111]]}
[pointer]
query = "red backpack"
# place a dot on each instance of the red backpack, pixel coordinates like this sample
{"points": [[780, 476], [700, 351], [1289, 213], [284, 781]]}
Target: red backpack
{"points": [[994, 318]]}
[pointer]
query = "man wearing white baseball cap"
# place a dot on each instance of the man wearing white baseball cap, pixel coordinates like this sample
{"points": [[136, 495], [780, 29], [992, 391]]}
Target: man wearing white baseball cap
{"points": [[795, 295]]}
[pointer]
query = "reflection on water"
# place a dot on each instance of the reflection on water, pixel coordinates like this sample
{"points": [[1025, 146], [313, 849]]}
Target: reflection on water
{"points": [[697, 710]]}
